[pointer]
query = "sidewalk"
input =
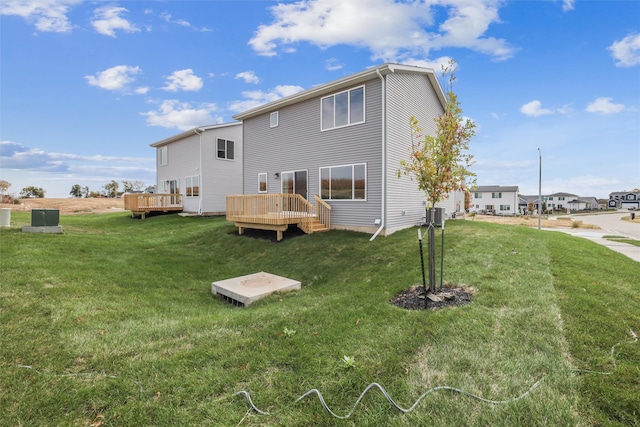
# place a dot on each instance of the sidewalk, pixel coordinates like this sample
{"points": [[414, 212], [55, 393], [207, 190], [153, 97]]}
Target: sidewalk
{"points": [[631, 251]]}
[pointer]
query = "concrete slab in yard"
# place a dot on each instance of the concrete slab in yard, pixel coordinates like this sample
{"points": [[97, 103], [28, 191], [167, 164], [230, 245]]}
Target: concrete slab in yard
{"points": [[246, 289], [49, 229]]}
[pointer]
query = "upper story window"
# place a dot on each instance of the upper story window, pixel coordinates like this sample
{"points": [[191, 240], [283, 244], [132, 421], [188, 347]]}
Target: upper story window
{"points": [[273, 119], [348, 182], [477, 195], [343, 109], [163, 156], [560, 197], [550, 197], [631, 196], [225, 149], [496, 195]]}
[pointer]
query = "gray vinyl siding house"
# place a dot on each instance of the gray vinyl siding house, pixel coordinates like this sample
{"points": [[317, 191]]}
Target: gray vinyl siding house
{"points": [[191, 164], [293, 140]]}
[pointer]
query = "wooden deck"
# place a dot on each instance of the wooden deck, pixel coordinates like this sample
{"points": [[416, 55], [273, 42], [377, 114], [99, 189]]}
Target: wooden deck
{"points": [[277, 211], [143, 204]]}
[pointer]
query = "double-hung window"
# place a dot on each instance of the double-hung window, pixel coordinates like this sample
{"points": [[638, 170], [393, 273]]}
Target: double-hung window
{"points": [[347, 182], [225, 149], [342, 109], [273, 119], [496, 195]]}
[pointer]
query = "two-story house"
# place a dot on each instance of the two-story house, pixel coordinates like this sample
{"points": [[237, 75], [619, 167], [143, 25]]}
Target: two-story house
{"points": [[495, 200], [624, 200], [343, 141], [203, 165]]}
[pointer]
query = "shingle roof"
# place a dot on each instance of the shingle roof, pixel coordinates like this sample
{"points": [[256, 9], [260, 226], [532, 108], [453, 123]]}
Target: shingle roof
{"points": [[494, 188]]}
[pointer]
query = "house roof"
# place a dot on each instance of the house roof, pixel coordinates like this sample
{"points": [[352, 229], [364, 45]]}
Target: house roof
{"points": [[190, 132], [344, 82], [494, 188], [623, 193], [561, 195]]}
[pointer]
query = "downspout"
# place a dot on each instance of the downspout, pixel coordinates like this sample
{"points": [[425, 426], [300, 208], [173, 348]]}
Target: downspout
{"points": [[383, 202], [200, 177]]}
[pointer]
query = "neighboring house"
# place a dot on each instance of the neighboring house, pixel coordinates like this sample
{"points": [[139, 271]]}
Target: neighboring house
{"points": [[495, 200], [344, 141], [203, 164], [624, 200], [558, 201], [527, 202], [583, 204]]}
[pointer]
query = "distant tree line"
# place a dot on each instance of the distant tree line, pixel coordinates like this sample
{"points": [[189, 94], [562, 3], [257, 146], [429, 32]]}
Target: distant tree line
{"points": [[111, 189]]}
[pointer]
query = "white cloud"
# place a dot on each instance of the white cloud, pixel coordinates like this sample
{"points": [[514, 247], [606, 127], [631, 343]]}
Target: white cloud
{"points": [[107, 19], [16, 156], [604, 105], [332, 64], [47, 16], [390, 29], [114, 78], [626, 52], [534, 109], [142, 90], [167, 17], [183, 23], [567, 5], [256, 98], [183, 80], [248, 77], [181, 115]]}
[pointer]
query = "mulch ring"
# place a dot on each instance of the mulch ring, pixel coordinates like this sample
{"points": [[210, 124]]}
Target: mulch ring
{"points": [[414, 298]]}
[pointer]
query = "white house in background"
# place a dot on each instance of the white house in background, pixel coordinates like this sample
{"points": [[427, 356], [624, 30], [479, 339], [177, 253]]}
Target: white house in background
{"points": [[343, 141], [203, 164], [583, 204], [495, 200], [624, 200], [559, 201]]}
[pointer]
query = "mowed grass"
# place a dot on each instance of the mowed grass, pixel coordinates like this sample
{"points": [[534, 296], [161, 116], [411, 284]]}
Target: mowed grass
{"points": [[113, 323]]}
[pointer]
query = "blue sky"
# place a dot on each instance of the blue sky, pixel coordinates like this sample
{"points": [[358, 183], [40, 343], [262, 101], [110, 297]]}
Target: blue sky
{"points": [[86, 86]]}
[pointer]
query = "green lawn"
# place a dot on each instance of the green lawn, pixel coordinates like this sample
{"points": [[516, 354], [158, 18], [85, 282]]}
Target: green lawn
{"points": [[113, 323]]}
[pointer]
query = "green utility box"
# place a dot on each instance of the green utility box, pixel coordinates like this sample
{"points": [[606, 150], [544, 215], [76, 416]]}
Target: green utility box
{"points": [[45, 217]]}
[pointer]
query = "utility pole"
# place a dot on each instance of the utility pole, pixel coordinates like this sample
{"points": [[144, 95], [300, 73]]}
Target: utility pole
{"points": [[540, 189]]}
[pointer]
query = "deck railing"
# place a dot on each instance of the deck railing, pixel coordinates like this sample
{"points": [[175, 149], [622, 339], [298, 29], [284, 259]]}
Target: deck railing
{"points": [[323, 211], [152, 202], [268, 208]]}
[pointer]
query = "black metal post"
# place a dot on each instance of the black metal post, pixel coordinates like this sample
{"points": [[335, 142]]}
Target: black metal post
{"points": [[442, 253], [424, 283]]}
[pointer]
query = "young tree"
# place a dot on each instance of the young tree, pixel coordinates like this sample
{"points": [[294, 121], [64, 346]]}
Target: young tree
{"points": [[85, 191], [76, 190], [440, 164]]}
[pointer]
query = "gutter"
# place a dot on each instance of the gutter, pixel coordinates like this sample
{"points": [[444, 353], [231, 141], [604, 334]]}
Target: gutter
{"points": [[200, 177], [384, 155]]}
